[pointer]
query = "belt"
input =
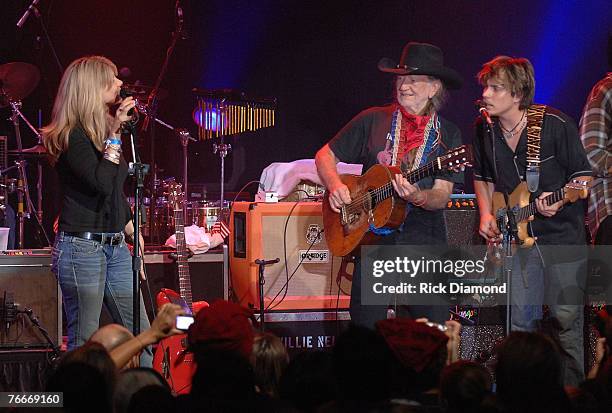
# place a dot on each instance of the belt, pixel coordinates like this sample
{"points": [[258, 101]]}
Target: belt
{"points": [[103, 238]]}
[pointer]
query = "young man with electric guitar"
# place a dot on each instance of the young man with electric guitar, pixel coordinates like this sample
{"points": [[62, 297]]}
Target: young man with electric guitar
{"points": [[529, 152], [397, 139]]}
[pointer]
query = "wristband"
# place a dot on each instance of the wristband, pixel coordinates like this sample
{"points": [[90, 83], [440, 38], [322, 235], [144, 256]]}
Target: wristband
{"points": [[113, 141], [113, 157]]}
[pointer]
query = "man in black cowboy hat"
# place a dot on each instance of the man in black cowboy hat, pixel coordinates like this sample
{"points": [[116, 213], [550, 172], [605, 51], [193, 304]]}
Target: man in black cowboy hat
{"points": [[405, 133]]}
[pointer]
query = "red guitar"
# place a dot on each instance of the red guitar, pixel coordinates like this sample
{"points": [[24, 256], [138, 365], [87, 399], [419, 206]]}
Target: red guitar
{"points": [[171, 358]]}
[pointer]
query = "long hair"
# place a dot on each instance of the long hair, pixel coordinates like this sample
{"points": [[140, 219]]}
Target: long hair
{"points": [[439, 99], [79, 103]]}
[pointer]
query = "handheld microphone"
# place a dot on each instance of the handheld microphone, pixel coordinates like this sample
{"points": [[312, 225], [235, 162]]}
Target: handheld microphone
{"points": [[124, 93], [480, 106], [27, 13]]}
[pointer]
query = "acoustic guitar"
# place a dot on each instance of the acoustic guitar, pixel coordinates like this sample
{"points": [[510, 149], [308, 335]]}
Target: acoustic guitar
{"points": [[171, 358], [376, 204]]}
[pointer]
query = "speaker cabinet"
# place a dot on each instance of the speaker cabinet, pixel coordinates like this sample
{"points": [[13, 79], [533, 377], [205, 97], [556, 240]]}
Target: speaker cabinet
{"points": [[208, 275], [26, 281], [462, 220], [307, 279], [303, 331]]}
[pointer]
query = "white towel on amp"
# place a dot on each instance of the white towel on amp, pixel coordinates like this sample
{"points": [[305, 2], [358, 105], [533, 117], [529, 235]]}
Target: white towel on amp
{"points": [[283, 177]]}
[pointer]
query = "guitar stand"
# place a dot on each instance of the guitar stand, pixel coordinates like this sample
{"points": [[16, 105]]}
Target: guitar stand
{"points": [[262, 281]]}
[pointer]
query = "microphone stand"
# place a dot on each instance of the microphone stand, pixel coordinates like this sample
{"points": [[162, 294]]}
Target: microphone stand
{"points": [[138, 170], [262, 281], [46, 33], [509, 229], [183, 135], [36, 323], [510, 233], [151, 105]]}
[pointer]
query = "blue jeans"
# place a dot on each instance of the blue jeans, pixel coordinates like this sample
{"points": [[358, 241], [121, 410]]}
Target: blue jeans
{"points": [[534, 285], [91, 274]]}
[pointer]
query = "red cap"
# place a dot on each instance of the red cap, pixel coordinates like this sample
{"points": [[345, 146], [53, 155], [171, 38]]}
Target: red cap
{"points": [[223, 326]]}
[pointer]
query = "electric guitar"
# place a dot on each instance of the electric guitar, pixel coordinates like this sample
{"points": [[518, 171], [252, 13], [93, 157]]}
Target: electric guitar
{"points": [[523, 211], [171, 358], [375, 202]]}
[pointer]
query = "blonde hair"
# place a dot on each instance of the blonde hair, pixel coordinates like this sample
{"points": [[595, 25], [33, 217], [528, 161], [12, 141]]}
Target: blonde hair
{"points": [[79, 103]]}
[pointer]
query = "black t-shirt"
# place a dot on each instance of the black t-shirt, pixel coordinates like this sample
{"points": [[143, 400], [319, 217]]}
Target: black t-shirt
{"points": [[362, 140], [562, 159], [93, 199]]}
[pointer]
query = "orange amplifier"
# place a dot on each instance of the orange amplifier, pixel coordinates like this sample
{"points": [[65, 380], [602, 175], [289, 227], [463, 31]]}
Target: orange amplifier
{"points": [[265, 231]]}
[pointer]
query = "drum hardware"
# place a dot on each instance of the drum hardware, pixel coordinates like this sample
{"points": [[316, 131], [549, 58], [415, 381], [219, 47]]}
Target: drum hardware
{"points": [[222, 149], [184, 137], [226, 112], [17, 81]]}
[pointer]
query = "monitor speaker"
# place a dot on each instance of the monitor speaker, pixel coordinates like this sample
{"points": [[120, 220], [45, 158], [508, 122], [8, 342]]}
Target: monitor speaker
{"points": [[26, 282]]}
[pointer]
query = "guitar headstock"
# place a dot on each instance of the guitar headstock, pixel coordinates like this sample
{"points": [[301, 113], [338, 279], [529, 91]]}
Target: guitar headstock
{"points": [[176, 196], [576, 190], [456, 159]]}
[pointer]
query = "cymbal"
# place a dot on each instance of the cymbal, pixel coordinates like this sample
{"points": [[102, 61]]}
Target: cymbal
{"points": [[17, 80], [142, 92], [36, 150]]}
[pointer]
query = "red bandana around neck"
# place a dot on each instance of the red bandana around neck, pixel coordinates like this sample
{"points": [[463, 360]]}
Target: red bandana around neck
{"points": [[411, 133]]}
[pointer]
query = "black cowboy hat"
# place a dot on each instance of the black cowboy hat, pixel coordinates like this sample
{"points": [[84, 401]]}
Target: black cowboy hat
{"points": [[422, 59]]}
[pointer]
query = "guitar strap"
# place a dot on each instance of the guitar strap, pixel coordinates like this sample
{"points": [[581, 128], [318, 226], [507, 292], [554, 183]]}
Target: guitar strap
{"points": [[535, 118]]}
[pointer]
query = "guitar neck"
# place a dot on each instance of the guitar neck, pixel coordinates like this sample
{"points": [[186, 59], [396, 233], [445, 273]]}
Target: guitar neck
{"points": [[181, 258], [424, 171], [531, 209]]}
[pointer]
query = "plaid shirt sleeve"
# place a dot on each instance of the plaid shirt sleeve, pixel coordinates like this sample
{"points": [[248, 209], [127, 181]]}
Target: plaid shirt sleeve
{"points": [[596, 137]]}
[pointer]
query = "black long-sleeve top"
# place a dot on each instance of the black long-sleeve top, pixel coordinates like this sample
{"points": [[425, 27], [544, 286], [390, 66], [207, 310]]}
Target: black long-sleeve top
{"points": [[93, 198]]}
